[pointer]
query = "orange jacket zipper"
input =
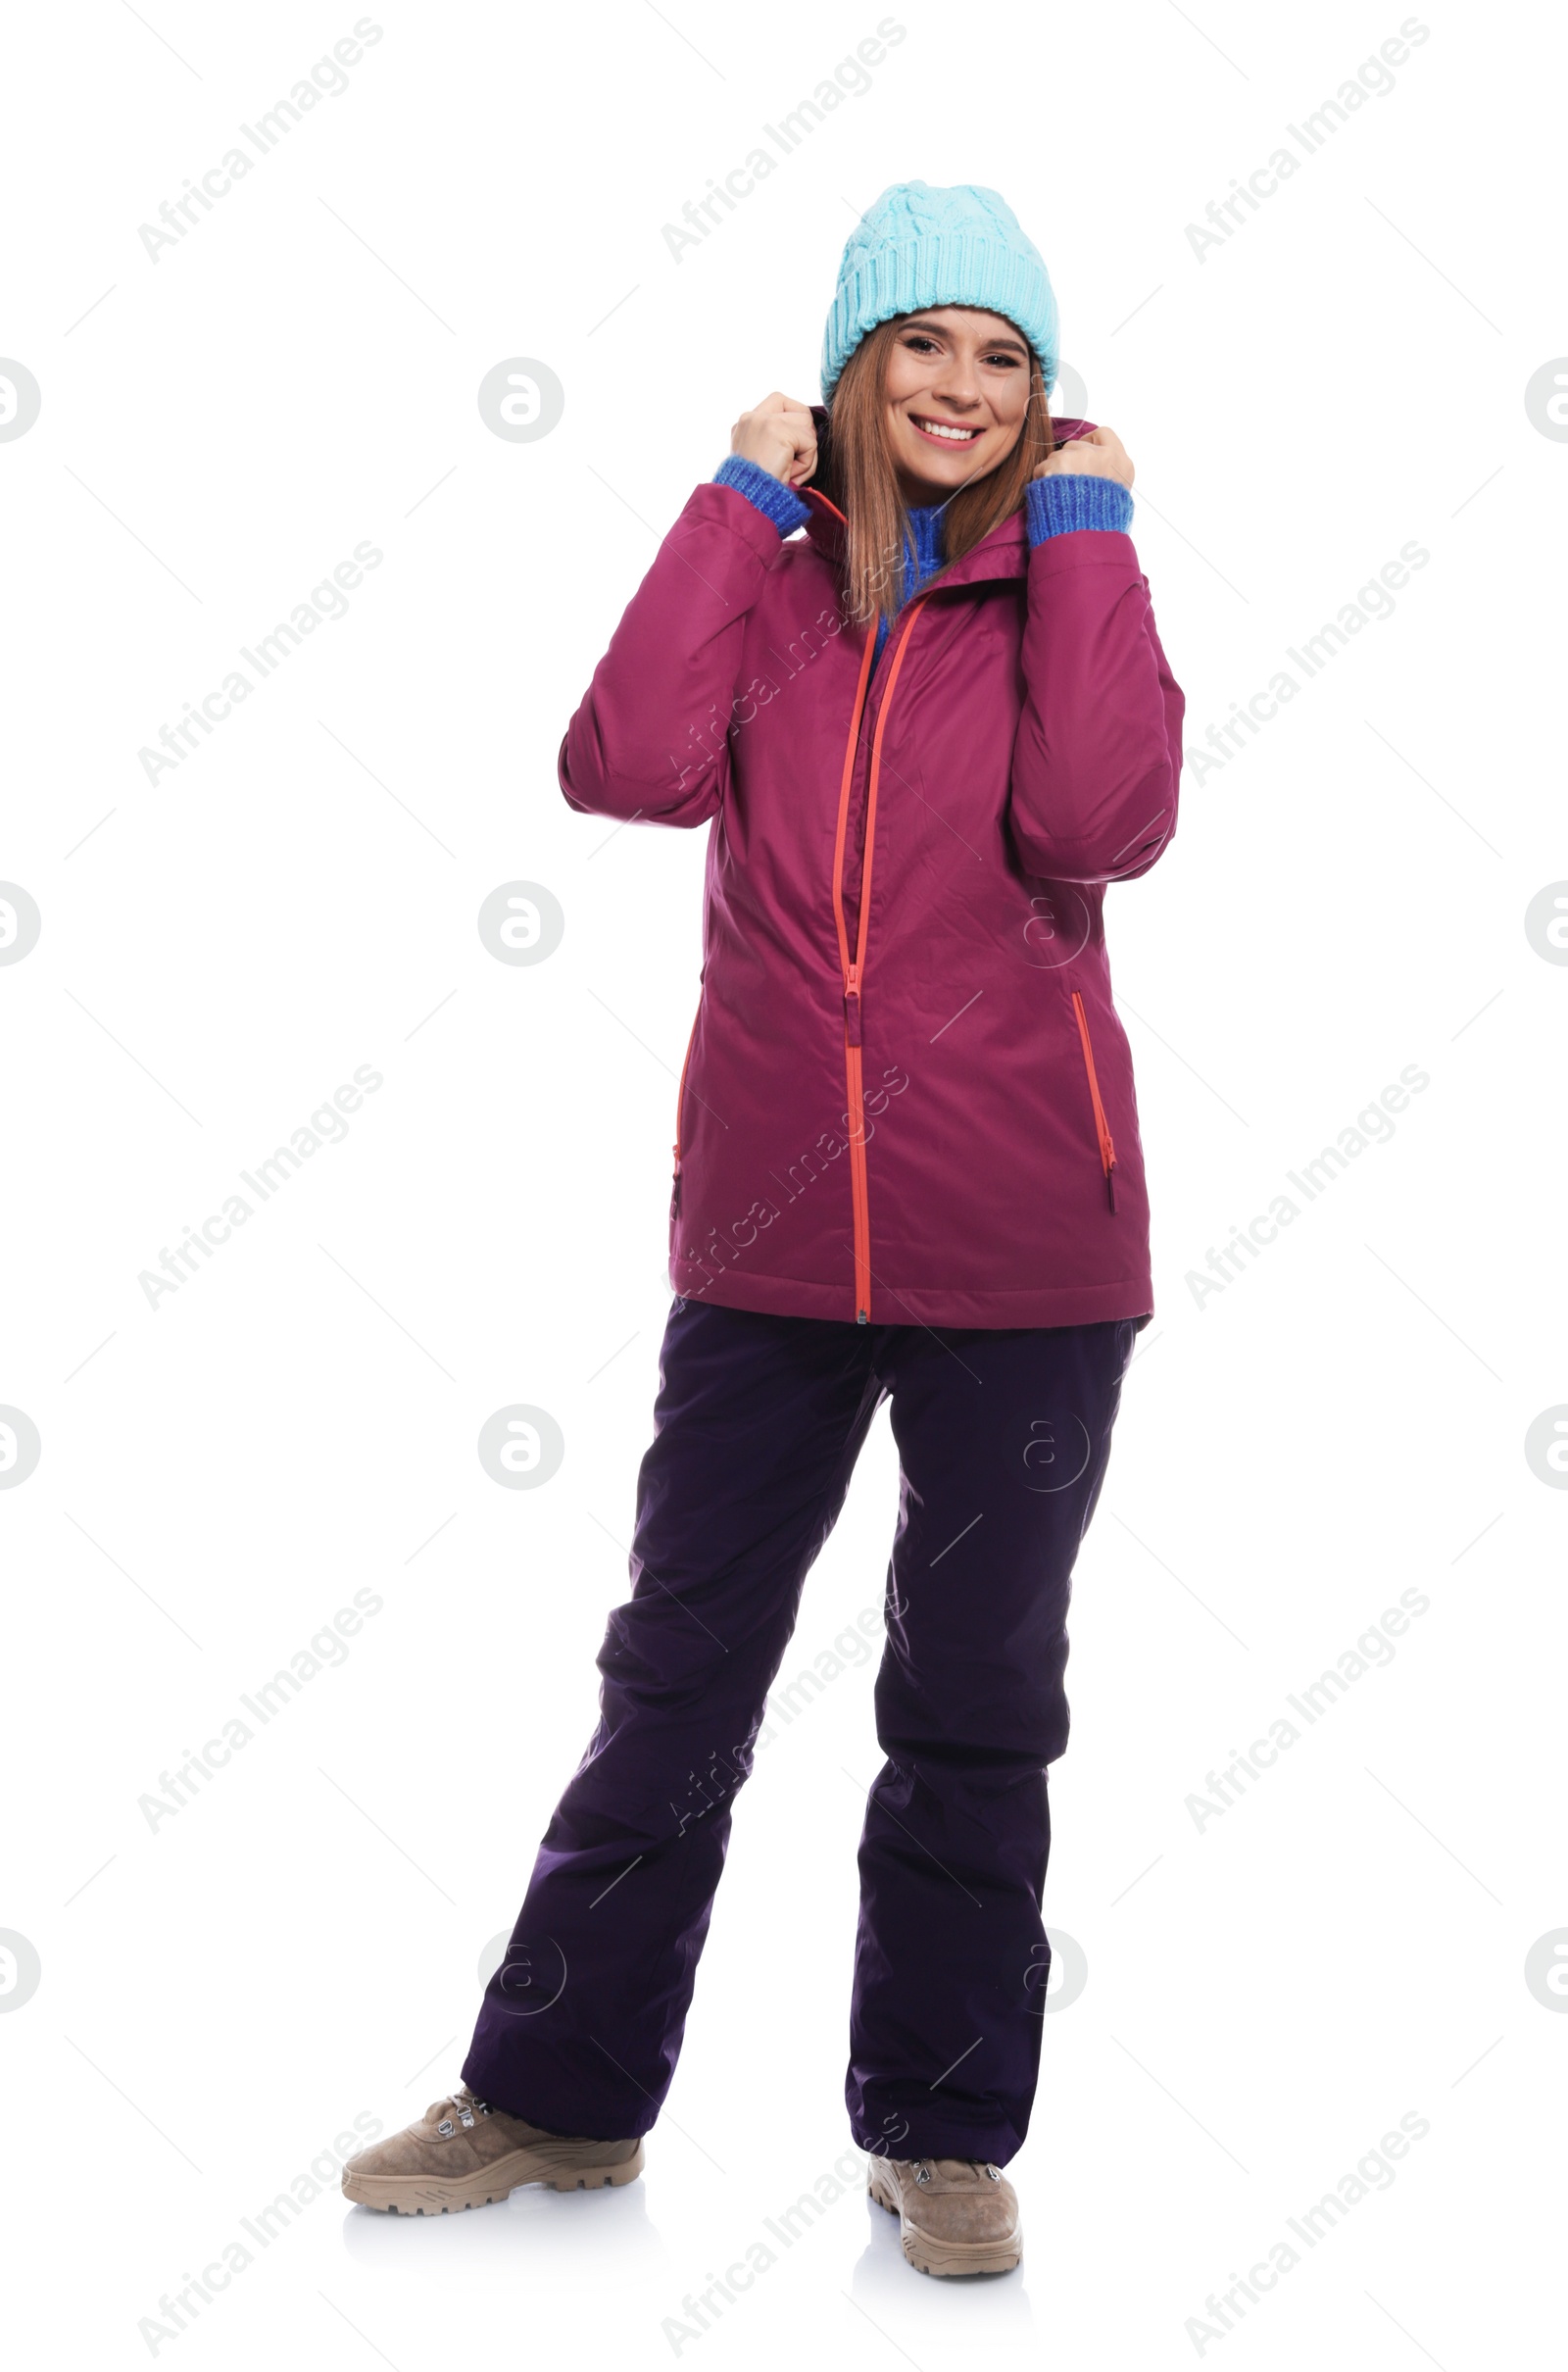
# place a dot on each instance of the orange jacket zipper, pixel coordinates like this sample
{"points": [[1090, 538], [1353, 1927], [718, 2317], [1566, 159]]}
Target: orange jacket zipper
{"points": [[854, 968], [1107, 1151]]}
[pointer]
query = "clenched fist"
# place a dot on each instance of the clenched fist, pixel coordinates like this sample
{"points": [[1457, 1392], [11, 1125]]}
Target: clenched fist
{"points": [[1100, 453], [780, 436]]}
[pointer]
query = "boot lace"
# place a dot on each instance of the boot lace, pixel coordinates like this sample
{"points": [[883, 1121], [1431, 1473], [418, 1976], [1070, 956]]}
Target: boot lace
{"points": [[470, 2109]]}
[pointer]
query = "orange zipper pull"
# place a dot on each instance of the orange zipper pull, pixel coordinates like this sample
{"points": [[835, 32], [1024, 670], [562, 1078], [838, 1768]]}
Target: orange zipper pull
{"points": [[852, 1007]]}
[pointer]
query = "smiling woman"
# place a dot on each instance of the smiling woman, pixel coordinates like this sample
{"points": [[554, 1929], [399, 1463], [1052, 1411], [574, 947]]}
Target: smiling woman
{"points": [[954, 401], [943, 713]]}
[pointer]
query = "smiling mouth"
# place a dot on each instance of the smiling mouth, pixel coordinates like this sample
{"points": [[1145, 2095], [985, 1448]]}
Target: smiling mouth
{"points": [[945, 432]]}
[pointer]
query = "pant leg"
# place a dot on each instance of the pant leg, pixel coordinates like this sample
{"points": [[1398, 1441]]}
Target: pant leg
{"points": [[756, 1426], [1003, 1441]]}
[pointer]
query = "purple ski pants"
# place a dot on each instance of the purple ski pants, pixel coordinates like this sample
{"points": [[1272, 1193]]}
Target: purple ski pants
{"points": [[1002, 1437]]}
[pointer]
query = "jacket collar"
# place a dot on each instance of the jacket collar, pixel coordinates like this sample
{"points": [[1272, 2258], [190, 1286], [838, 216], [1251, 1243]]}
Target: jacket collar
{"points": [[1004, 552]]}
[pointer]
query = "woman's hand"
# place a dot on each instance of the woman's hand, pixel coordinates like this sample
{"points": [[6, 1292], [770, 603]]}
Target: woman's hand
{"points": [[780, 436], [1099, 454]]}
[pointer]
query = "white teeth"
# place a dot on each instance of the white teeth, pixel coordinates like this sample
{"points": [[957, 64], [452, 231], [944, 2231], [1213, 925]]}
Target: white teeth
{"points": [[955, 436]]}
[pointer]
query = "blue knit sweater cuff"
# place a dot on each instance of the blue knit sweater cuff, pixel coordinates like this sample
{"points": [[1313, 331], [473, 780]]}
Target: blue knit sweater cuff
{"points": [[767, 493], [1060, 505]]}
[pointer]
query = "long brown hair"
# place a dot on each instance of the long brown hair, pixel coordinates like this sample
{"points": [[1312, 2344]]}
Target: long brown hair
{"points": [[855, 470]]}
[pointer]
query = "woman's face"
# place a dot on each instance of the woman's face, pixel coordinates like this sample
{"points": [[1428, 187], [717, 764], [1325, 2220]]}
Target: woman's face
{"points": [[957, 392]]}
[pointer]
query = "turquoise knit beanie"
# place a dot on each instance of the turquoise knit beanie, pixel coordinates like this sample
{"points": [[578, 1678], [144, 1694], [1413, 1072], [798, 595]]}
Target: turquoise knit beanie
{"points": [[918, 246]]}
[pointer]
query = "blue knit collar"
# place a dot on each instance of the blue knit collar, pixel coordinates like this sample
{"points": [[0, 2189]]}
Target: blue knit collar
{"points": [[924, 553]]}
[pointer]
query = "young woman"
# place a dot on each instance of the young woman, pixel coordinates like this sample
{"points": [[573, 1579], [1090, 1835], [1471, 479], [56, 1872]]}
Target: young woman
{"points": [[926, 733]]}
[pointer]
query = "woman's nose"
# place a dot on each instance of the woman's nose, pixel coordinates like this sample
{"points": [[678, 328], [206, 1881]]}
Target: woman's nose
{"points": [[955, 382]]}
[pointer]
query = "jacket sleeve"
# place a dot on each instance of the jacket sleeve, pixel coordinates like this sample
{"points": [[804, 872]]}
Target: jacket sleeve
{"points": [[1098, 757], [649, 741]]}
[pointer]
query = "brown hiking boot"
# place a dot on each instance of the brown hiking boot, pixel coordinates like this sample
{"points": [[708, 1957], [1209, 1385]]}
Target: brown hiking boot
{"points": [[463, 2154], [956, 2215]]}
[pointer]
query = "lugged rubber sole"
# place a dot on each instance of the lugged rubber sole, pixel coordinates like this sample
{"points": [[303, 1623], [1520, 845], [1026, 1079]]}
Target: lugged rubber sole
{"points": [[426, 2195], [929, 2255]]}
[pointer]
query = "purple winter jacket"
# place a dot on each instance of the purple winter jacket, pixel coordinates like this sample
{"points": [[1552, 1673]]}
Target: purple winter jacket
{"points": [[906, 1095]]}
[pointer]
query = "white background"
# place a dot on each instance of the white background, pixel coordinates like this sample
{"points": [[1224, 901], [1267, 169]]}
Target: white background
{"points": [[1266, 1996]]}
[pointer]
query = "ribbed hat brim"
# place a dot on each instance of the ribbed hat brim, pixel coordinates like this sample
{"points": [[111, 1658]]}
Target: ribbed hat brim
{"points": [[944, 268]]}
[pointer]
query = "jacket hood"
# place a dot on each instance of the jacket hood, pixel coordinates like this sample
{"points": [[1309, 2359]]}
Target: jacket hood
{"points": [[1004, 552]]}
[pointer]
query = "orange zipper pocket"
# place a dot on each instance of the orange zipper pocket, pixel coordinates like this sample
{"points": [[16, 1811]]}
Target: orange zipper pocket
{"points": [[1107, 1151]]}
